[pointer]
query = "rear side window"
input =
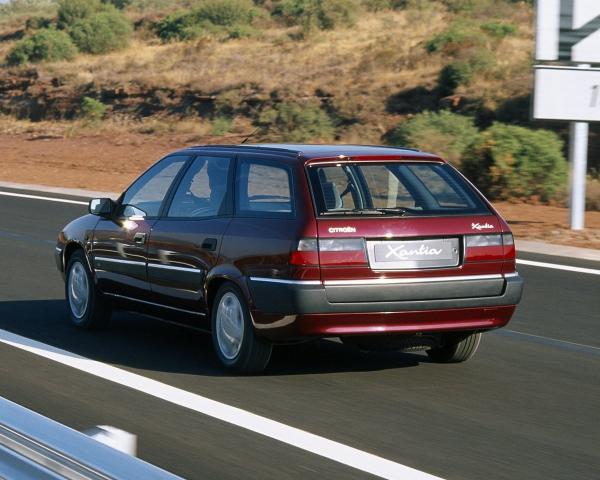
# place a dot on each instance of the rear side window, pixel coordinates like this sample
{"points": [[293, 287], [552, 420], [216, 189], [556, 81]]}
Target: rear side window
{"points": [[404, 188], [264, 189], [202, 191]]}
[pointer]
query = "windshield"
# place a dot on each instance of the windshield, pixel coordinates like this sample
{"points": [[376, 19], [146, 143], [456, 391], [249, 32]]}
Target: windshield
{"points": [[393, 188]]}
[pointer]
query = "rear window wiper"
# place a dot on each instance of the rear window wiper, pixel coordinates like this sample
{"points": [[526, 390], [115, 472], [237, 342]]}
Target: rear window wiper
{"points": [[368, 211], [395, 210], [356, 211]]}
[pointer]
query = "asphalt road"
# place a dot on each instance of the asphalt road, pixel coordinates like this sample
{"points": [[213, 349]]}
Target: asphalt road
{"points": [[526, 406]]}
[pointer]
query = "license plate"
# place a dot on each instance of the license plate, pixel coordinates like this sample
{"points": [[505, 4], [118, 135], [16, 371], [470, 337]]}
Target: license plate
{"points": [[411, 254]]}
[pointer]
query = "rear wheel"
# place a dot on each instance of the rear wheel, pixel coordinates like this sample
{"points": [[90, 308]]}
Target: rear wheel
{"points": [[235, 342], [87, 307], [456, 348]]}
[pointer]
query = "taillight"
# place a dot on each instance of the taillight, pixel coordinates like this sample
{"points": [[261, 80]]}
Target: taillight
{"points": [[497, 246], [306, 252], [329, 251], [342, 251]]}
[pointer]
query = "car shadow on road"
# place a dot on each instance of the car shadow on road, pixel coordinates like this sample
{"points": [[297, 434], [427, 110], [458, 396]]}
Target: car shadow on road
{"points": [[140, 342]]}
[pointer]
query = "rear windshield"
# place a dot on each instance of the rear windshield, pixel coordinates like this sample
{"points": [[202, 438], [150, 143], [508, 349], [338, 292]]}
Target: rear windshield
{"points": [[393, 188]]}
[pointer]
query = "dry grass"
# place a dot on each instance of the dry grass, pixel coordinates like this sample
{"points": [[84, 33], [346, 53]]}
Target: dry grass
{"points": [[370, 56], [356, 70]]}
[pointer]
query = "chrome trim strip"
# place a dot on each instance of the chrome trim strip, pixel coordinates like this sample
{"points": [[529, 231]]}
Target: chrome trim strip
{"points": [[173, 267], [119, 260], [58, 249], [403, 281], [511, 275], [116, 295], [287, 282]]}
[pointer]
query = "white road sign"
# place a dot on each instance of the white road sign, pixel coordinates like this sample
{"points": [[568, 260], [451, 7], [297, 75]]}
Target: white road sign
{"points": [[564, 93], [568, 30]]}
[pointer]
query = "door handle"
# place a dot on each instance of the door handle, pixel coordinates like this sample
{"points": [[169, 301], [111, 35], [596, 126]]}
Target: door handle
{"points": [[139, 238], [209, 244]]}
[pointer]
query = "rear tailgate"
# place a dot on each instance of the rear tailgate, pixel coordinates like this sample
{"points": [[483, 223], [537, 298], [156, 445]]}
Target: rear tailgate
{"points": [[385, 223]]}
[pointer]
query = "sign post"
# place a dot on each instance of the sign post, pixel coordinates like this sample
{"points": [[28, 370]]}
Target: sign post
{"points": [[569, 31], [578, 149]]}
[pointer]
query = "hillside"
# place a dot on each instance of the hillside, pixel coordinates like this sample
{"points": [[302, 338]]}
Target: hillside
{"points": [[347, 71], [366, 76]]}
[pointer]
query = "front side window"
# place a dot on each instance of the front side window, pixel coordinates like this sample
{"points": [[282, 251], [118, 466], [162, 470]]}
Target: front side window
{"points": [[148, 192], [264, 189], [202, 191], [401, 188]]}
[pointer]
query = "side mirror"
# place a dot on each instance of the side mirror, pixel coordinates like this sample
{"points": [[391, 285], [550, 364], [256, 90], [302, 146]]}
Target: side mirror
{"points": [[103, 207]]}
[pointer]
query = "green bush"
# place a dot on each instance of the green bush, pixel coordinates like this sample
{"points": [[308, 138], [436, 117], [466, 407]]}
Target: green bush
{"points": [[71, 11], [461, 71], [120, 4], [444, 133], [321, 14], [228, 15], [458, 36], [37, 23], [293, 122], [102, 32], [499, 29], [92, 110], [225, 12], [44, 45], [517, 162]]}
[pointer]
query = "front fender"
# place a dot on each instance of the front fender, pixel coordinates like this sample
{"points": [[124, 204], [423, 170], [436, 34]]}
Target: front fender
{"points": [[77, 234]]}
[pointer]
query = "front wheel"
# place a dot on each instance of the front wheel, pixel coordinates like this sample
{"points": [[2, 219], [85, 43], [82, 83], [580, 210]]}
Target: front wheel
{"points": [[235, 342], [456, 348], [87, 307]]}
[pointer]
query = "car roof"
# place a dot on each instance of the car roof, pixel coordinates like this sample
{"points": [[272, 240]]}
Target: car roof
{"points": [[307, 152]]}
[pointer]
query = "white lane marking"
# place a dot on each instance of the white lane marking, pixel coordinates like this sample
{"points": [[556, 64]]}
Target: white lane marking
{"points": [[549, 341], [39, 197], [557, 266], [324, 447], [554, 339]]}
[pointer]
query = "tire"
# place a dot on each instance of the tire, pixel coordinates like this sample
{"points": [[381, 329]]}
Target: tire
{"points": [[238, 348], [87, 308], [456, 348]]}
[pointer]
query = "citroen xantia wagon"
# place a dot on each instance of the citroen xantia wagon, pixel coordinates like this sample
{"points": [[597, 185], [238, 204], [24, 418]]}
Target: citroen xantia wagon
{"points": [[262, 244]]}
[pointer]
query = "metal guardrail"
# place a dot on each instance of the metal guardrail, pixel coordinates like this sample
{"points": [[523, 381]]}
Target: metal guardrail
{"points": [[35, 447]]}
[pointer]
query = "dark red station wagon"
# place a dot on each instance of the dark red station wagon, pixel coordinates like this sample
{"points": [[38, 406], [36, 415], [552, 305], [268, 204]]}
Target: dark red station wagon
{"points": [[261, 244]]}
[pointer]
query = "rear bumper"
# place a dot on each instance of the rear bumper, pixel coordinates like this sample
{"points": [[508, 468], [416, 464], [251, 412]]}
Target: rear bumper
{"points": [[289, 309]]}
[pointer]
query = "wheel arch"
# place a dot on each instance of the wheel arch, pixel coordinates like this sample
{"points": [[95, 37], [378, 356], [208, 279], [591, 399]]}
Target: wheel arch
{"points": [[72, 247], [220, 276]]}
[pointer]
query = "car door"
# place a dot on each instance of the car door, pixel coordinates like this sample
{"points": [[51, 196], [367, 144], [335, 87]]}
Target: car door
{"points": [[185, 242], [119, 246]]}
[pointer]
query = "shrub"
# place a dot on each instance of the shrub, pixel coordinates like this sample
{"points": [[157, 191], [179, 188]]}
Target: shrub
{"points": [[37, 23], [228, 14], [92, 110], [322, 14], [377, 5], [225, 12], [592, 194], [461, 71], [120, 4], [44, 45], [459, 35], [102, 32], [444, 133], [511, 161], [221, 125], [293, 122], [499, 29], [71, 11]]}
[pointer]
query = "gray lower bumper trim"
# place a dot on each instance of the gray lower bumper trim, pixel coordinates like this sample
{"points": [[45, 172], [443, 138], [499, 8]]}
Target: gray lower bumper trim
{"points": [[291, 299]]}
